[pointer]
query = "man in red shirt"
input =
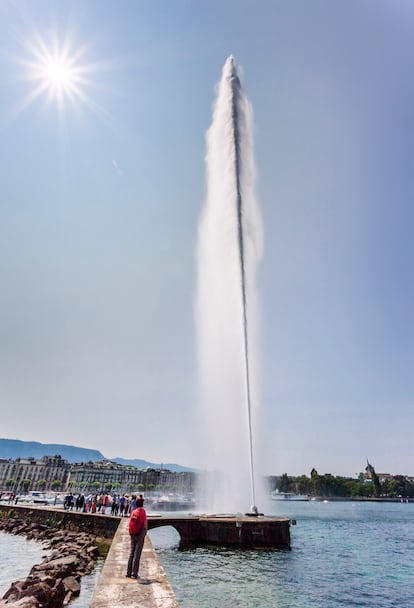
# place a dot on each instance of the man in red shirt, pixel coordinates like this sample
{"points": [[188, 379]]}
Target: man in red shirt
{"points": [[137, 529]]}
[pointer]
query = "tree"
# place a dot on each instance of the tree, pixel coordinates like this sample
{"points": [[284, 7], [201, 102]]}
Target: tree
{"points": [[348, 484], [374, 478], [391, 487], [303, 485], [9, 483], [333, 486], [410, 488], [42, 483], [405, 486], [108, 486], [26, 484], [285, 483], [56, 484], [361, 488], [315, 483]]}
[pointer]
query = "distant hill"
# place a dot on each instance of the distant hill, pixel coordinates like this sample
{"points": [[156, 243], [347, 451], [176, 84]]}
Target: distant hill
{"points": [[15, 448]]}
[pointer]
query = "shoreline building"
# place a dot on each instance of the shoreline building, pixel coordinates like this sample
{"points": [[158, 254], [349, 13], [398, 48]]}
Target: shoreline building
{"points": [[55, 473], [113, 477], [22, 474]]}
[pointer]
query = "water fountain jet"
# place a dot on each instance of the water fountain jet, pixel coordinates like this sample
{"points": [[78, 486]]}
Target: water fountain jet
{"points": [[229, 247]]}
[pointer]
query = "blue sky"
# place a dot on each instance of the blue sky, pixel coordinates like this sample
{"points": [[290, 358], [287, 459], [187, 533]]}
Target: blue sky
{"points": [[99, 209]]}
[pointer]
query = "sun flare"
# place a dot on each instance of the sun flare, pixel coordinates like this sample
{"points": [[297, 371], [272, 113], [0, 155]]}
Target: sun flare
{"points": [[59, 71], [58, 74]]}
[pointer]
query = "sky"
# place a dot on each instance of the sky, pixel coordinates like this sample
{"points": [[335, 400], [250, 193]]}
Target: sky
{"points": [[102, 186]]}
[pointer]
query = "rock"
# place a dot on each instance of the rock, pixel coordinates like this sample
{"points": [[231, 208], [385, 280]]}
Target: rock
{"points": [[72, 584], [24, 602], [62, 563], [42, 593], [49, 580], [56, 580], [67, 598], [37, 593], [14, 591]]}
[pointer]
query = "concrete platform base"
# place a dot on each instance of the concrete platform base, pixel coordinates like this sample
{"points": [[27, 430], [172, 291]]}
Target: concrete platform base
{"points": [[242, 531]]}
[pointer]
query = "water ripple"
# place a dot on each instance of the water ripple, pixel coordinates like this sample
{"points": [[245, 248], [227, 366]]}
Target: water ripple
{"points": [[18, 555]]}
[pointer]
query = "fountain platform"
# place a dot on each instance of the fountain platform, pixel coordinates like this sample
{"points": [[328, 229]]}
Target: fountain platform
{"points": [[238, 531]]}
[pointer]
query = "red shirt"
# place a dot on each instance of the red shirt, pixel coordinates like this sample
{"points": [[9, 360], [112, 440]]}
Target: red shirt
{"points": [[139, 516]]}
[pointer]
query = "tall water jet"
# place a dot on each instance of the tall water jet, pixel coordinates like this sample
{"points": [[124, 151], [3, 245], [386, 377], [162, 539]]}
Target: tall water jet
{"points": [[229, 247]]}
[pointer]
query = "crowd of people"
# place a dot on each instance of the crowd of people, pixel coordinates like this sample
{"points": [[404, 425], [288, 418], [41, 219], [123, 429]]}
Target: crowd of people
{"points": [[120, 504]]}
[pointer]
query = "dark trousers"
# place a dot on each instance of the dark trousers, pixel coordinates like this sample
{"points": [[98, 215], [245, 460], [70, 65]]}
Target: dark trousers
{"points": [[137, 542]]}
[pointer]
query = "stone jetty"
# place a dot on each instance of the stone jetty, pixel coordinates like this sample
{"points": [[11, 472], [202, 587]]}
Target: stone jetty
{"points": [[56, 580], [72, 543]]}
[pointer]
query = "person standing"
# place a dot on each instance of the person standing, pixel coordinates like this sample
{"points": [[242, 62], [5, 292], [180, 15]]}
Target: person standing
{"points": [[137, 530], [122, 505]]}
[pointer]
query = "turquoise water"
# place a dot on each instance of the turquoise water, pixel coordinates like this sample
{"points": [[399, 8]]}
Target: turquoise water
{"points": [[17, 556], [88, 586], [343, 555]]}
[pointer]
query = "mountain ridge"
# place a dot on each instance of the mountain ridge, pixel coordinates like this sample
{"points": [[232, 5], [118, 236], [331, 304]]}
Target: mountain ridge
{"points": [[17, 448]]}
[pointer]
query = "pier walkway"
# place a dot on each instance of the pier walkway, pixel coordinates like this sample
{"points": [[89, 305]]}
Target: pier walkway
{"points": [[151, 591]]}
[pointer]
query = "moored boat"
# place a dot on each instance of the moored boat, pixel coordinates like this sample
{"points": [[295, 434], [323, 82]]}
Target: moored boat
{"points": [[276, 495]]}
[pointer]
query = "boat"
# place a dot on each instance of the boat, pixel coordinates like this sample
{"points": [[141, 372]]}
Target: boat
{"points": [[172, 503], [276, 495], [43, 498]]}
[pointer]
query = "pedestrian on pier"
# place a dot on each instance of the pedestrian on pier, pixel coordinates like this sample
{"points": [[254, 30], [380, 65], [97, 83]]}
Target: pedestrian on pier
{"points": [[137, 530]]}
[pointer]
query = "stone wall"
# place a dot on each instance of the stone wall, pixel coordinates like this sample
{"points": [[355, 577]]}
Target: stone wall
{"points": [[92, 523]]}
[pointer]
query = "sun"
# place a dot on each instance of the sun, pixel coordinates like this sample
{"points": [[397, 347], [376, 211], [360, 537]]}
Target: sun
{"points": [[61, 77], [58, 74], [59, 71]]}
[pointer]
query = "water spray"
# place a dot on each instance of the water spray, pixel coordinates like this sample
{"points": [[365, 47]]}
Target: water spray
{"points": [[229, 247], [236, 86]]}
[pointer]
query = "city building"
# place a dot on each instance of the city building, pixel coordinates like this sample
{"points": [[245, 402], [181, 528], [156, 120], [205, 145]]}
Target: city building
{"points": [[22, 474], [113, 477], [55, 473]]}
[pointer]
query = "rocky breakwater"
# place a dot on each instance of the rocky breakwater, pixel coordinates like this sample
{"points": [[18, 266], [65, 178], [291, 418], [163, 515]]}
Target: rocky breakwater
{"points": [[56, 580]]}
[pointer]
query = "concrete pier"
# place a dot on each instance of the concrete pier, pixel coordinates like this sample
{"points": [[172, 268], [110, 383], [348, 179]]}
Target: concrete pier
{"points": [[151, 591]]}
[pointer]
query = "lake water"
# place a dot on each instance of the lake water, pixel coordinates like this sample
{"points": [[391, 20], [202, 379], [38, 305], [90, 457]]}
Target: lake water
{"points": [[343, 555], [17, 556], [88, 586]]}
